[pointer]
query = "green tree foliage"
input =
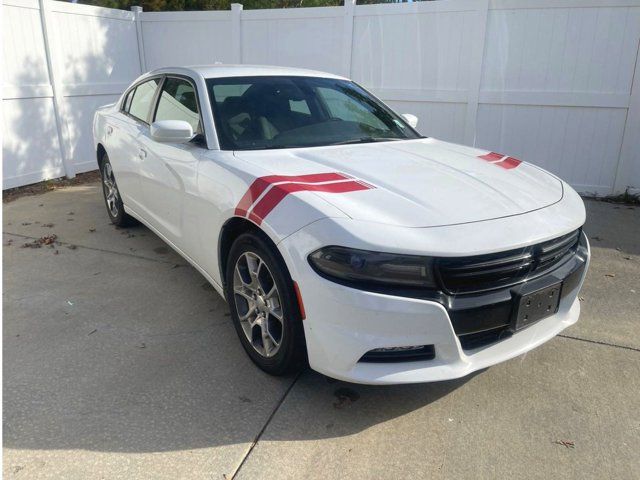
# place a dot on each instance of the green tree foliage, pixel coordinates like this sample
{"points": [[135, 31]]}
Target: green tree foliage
{"points": [[180, 5]]}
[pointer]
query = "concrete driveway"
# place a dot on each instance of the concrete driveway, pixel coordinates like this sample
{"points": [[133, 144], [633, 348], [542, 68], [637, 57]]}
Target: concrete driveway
{"points": [[120, 361]]}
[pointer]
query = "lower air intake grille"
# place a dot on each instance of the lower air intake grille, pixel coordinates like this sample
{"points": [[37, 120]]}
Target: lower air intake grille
{"points": [[402, 354], [487, 272], [481, 339]]}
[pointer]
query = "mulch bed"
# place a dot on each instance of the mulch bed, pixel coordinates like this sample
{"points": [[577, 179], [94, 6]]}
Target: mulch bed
{"points": [[12, 194]]}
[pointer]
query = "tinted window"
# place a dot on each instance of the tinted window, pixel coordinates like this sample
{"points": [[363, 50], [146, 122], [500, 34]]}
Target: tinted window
{"points": [[178, 102], [142, 98], [283, 112]]}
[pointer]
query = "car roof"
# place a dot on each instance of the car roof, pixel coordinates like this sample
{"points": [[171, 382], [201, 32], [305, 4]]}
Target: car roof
{"points": [[221, 70]]}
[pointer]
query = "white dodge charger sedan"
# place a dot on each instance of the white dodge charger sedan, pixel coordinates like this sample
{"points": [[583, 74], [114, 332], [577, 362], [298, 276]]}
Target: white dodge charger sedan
{"points": [[338, 234]]}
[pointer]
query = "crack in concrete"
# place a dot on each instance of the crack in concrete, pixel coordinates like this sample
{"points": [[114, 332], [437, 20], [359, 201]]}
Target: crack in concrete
{"points": [[103, 250], [264, 427], [598, 342]]}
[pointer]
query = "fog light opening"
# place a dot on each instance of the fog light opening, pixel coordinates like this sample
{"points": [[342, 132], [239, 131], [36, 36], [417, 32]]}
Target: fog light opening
{"points": [[411, 353]]}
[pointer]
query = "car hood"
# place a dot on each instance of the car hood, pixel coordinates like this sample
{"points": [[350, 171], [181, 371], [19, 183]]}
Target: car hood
{"points": [[420, 183]]}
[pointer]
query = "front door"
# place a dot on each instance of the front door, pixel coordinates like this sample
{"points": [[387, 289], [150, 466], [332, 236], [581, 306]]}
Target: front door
{"points": [[168, 171]]}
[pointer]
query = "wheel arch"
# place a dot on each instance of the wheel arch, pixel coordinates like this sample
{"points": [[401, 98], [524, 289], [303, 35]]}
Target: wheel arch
{"points": [[230, 231], [100, 152]]}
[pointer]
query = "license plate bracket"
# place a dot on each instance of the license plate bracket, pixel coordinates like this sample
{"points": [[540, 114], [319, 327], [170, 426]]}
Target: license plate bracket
{"points": [[534, 306]]}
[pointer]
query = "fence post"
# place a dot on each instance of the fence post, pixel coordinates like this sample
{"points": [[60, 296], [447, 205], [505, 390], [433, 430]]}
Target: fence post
{"points": [[236, 32], [347, 36], [137, 13], [475, 72], [628, 168], [58, 96]]}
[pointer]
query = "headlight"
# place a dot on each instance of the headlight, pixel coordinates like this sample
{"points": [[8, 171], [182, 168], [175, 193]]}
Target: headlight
{"points": [[364, 267]]}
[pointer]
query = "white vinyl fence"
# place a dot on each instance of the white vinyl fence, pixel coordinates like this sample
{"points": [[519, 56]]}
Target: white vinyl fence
{"points": [[553, 82]]}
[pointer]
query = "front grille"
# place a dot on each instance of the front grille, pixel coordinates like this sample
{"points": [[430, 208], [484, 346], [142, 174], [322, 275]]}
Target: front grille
{"points": [[496, 270]]}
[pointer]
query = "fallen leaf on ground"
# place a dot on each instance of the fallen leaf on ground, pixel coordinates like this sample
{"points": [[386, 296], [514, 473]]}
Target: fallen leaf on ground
{"points": [[48, 239], [610, 275]]}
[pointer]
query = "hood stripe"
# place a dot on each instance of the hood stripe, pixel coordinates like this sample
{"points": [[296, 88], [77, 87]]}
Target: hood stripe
{"points": [[260, 185], [279, 191], [503, 161]]}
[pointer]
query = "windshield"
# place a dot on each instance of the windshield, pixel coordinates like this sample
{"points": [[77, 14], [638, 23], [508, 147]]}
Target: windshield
{"points": [[253, 113]]}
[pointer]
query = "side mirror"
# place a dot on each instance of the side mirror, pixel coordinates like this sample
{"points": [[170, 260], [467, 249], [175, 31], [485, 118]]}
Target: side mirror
{"points": [[411, 119], [171, 131]]}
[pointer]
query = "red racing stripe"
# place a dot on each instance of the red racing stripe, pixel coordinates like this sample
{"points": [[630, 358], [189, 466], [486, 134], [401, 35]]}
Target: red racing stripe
{"points": [[278, 192], [491, 156], [496, 158], [260, 184], [509, 163]]}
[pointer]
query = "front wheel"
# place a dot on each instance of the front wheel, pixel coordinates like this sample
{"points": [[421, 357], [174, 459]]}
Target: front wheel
{"points": [[264, 307]]}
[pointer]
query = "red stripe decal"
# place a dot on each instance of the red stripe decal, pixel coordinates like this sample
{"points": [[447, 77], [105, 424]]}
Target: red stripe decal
{"points": [[491, 156], [496, 158], [260, 184], [278, 192], [509, 163]]}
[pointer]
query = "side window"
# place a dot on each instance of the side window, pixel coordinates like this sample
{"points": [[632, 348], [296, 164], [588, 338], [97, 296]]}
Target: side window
{"points": [[178, 102], [342, 107], [142, 98]]}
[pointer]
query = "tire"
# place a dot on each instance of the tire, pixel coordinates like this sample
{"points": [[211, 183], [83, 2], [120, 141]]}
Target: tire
{"points": [[251, 251], [112, 198]]}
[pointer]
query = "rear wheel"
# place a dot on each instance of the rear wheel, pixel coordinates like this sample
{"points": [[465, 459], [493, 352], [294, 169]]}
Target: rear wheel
{"points": [[264, 307], [112, 199]]}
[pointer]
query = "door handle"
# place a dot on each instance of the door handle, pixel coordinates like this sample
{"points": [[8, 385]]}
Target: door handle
{"points": [[109, 130], [142, 154]]}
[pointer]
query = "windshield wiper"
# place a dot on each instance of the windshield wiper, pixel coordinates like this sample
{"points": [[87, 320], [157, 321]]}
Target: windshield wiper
{"points": [[366, 140], [344, 142]]}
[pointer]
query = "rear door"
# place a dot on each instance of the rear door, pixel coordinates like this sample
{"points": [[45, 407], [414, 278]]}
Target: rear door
{"points": [[122, 139], [168, 171]]}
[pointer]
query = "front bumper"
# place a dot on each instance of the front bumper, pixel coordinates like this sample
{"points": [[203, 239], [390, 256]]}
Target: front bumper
{"points": [[343, 324]]}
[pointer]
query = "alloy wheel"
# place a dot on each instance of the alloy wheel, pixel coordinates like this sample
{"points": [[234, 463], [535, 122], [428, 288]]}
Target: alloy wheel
{"points": [[258, 304], [110, 188]]}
